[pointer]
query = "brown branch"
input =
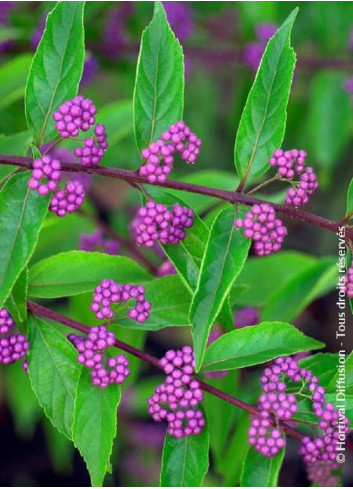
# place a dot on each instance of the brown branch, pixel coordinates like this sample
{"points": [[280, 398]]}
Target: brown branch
{"points": [[44, 312], [232, 197]]}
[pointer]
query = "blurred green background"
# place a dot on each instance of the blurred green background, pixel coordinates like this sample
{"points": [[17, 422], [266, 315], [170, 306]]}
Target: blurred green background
{"points": [[215, 36]]}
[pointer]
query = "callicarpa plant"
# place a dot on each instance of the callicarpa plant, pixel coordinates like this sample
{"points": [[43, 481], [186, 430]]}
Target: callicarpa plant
{"points": [[242, 392]]}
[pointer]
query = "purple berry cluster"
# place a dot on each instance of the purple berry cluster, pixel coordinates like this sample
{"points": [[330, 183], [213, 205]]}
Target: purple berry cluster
{"points": [[157, 222], [91, 352], [96, 242], [159, 156], [349, 282], [176, 400], [262, 435], [290, 163], [78, 115], [94, 148], [45, 175], [262, 226], [319, 453], [74, 115], [68, 200], [13, 347], [253, 51], [109, 292]]}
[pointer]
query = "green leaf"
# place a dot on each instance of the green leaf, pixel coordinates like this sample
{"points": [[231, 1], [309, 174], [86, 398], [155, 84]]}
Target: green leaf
{"points": [[256, 344], [95, 424], [349, 208], [17, 300], [185, 460], [291, 299], [329, 117], [22, 213], [283, 266], [236, 451], [170, 301], [25, 409], [76, 272], [220, 415], [159, 86], [13, 76], [118, 120], [16, 144], [222, 262], [262, 124], [322, 365], [56, 69], [187, 255], [305, 412], [54, 373], [261, 471], [60, 235]]}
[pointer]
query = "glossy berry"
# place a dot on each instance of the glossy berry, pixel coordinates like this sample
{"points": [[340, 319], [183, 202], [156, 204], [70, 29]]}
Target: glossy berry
{"points": [[74, 115], [68, 200], [109, 292], [349, 282], [264, 437], [6, 321], [319, 453], [96, 242], [13, 348], [92, 350], [289, 162], [45, 175], [159, 156], [176, 400], [262, 226], [307, 185], [157, 223]]}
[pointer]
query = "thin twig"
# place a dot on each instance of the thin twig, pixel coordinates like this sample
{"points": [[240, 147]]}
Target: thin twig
{"points": [[232, 197], [44, 312]]}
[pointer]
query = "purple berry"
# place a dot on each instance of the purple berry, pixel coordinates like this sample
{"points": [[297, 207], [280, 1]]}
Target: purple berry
{"points": [[176, 400], [349, 282], [68, 200], [263, 228], [157, 222], [45, 175], [94, 148], [91, 352], [6, 321], [109, 292], [74, 115], [159, 156]]}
